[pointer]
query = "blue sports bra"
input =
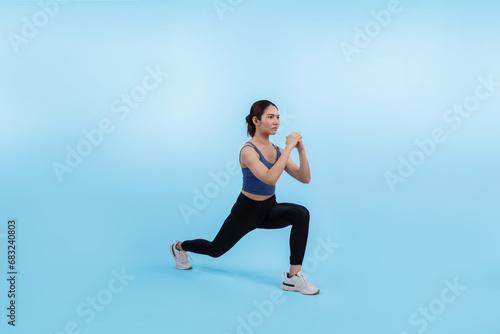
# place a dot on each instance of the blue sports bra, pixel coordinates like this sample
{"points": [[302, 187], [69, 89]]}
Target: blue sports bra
{"points": [[251, 183]]}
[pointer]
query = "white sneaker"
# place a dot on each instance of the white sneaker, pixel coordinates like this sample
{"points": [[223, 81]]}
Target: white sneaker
{"points": [[180, 257], [299, 283]]}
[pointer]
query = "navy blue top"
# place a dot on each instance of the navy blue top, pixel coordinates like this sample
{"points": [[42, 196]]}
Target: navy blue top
{"points": [[251, 183]]}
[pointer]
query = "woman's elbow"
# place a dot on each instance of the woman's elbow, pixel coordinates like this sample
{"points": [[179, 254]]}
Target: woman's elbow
{"points": [[271, 183]]}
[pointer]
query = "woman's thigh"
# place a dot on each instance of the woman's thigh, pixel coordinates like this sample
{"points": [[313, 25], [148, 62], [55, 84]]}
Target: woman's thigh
{"points": [[283, 214], [243, 219]]}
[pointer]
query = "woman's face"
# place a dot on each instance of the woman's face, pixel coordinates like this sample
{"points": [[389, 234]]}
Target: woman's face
{"points": [[269, 122]]}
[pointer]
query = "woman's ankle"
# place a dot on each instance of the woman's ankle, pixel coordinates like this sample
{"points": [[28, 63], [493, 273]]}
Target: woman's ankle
{"points": [[294, 269]]}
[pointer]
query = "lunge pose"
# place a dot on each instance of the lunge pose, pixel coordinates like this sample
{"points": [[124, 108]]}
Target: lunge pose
{"points": [[262, 164]]}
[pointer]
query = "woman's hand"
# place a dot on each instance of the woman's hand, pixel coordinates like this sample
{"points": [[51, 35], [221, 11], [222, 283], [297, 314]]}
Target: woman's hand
{"points": [[300, 145], [293, 139]]}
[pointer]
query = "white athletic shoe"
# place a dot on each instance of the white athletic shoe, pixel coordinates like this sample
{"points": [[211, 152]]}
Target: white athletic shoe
{"points": [[299, 283], [180, 257]]}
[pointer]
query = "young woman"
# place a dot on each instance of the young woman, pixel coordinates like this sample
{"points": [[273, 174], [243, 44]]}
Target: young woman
{"points": [[256, 205]]}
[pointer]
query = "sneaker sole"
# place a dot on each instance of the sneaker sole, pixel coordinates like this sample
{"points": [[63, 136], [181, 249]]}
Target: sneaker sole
{"points": [[287, 288], [184, 268], [173, 255]]}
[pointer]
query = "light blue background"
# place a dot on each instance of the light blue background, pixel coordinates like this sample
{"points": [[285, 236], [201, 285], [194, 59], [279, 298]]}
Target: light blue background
{"points": [[120, 208]]}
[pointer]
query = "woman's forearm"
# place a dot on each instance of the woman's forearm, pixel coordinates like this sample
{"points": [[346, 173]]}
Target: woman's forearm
{"points": [[274, 173], [304, 172]]}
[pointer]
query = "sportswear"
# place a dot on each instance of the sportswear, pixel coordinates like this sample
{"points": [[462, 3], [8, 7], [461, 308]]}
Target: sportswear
{"points": [[251, 183], [180, 257], [299, 283], [247, 215]]}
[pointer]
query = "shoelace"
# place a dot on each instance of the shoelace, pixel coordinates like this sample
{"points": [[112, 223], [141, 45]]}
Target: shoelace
{"points": [[302, 278]]}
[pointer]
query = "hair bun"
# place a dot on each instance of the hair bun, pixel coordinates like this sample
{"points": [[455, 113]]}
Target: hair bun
{"points": [[257, 110]]}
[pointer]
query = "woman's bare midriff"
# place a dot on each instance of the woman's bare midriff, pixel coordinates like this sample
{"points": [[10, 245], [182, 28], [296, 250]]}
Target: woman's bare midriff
{"points": [[256, 197]]}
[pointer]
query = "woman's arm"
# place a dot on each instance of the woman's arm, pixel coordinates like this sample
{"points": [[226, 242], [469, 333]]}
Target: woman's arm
{"points": [[302, 173], [269, 176]]}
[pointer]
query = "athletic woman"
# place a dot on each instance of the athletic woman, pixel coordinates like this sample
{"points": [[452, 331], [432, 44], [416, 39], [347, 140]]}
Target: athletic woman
{"points": [[256, 205]]}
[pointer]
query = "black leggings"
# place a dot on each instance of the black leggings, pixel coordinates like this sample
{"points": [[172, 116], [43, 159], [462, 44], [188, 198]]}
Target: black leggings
{"points": [[247, 215]]}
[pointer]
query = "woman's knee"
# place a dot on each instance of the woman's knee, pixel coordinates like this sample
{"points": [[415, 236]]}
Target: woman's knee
{"points": [[215, 252], [302, 215]]}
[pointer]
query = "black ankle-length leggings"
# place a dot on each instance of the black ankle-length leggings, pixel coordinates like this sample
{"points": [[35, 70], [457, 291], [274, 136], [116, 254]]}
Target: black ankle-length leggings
{"points": [[247, 215]]}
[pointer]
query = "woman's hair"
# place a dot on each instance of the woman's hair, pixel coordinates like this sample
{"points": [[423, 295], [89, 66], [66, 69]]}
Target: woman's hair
{"points": [[257, 110]]}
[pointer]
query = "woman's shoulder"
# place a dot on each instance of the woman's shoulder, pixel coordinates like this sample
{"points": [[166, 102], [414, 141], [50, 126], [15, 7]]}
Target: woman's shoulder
{"points": [[252, 145], [247, 144]]}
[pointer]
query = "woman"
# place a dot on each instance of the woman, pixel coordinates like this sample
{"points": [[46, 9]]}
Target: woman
{"points": [[256, 206]]}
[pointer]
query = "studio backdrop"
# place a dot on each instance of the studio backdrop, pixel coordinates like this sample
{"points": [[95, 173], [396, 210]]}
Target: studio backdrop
{"points": [[121, 124]]}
